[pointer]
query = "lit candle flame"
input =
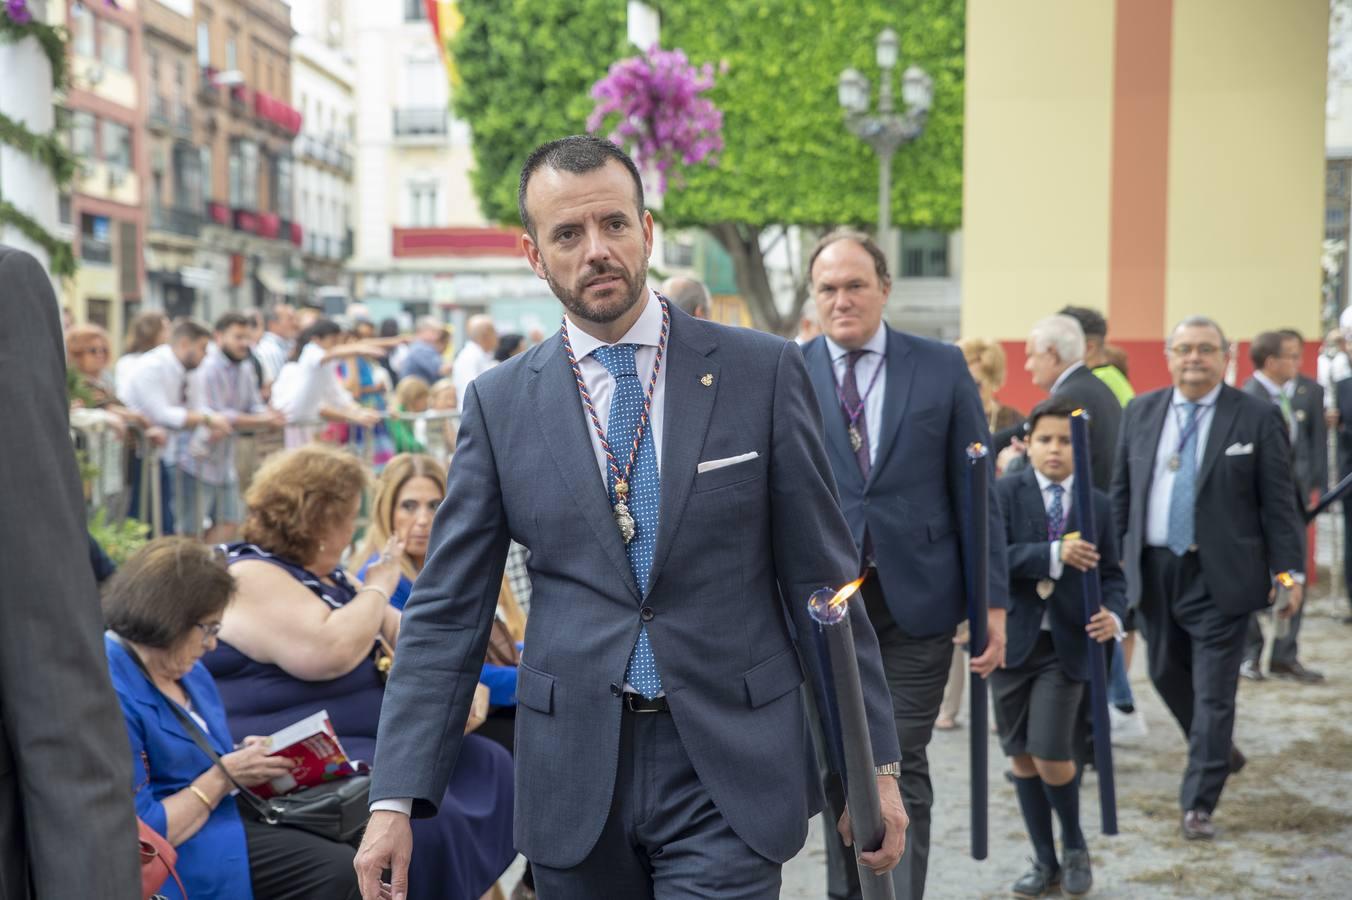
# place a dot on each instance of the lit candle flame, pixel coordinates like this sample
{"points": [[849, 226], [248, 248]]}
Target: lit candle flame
{"points": [[828, 608], [976, 451], [844, 594]]}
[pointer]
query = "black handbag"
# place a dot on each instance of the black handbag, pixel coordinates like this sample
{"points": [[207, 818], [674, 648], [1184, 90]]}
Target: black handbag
{"points": [[336, 810]]}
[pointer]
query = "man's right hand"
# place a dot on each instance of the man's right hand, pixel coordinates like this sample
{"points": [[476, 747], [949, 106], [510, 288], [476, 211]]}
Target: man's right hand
{"points": [[387, 844]]}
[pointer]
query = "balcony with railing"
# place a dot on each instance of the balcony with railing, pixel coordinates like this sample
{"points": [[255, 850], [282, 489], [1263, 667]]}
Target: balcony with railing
{"points": [[269, 225], [246, 220], [207, 91], [421, 123], [184, 222], [158, 117], [218, 213], [95, 250], [278, 114]]}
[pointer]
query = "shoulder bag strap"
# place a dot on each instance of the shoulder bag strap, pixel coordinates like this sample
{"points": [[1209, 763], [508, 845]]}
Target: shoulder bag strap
{"points": [[264, 809]]}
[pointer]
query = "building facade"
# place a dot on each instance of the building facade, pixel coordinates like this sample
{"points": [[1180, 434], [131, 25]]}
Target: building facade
{"points": [[322, 85], [250, 239], [106, 110], [421, 244]]}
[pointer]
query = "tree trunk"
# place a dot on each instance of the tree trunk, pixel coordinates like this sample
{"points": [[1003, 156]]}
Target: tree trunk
{"points": [[753, 283]]}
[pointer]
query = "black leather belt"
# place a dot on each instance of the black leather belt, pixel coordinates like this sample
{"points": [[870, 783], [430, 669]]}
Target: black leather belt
{"points": [[637, 703]]}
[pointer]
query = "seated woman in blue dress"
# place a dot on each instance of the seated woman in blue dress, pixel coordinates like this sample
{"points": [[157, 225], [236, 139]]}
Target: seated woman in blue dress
{"points": [[163, 609], [408, 493], [303, 636]]}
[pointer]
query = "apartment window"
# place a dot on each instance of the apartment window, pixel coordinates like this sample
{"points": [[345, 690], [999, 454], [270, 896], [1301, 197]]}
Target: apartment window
{"points": [[422, 204], [232, 51], [82, 129], [95, 242], [153, 62], [414, 11], [203, 45], [98, 312], [208, 189], [82, 31], [244, 175], [113, 39], [116, 144], [187, 178], [924, 254], [283, 187]]}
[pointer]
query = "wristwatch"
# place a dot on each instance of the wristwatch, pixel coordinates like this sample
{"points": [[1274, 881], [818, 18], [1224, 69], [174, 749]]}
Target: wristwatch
{"points": [[892, 768]]}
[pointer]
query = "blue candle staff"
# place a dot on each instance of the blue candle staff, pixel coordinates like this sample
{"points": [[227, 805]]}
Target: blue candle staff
{"points": [[1093, 599], [845, 724], [977, 608]]}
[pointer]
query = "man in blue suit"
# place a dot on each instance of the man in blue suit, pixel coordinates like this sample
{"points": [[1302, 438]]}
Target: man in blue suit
{"points": [[668, 476], [900, 412]]}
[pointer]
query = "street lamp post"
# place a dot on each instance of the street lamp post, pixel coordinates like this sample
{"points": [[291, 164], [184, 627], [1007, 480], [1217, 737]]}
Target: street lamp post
{"points": [[885, 130]]}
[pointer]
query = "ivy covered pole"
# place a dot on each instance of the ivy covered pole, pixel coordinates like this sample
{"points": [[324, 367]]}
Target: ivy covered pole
{"points": [[886, 130]]}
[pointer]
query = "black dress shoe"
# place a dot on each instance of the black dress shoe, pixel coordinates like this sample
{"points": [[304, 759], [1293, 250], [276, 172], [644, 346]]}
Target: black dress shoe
{"points": [[1249, 669], [1197, 825], [1237, 760], [1038, 881], [1076, 875], [1296, 671]]}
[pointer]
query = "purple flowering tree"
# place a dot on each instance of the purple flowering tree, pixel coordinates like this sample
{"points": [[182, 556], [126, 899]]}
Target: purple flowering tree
{"points": [[18, 11], [656, 106]]}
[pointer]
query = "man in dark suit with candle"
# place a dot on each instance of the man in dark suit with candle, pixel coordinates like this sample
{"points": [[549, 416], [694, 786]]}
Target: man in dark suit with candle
{"points": [[1205, 507], [667, 474], [66, 823], [899, 412], [1276, 373]]}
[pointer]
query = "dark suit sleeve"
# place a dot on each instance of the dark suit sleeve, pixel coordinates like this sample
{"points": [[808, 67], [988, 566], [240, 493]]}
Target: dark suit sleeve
{"points": [[967, 425], [64, 770], [1111, 577], [812, 544], [445, 628], [1027, 559], [1120, 495], [1283, 525]]}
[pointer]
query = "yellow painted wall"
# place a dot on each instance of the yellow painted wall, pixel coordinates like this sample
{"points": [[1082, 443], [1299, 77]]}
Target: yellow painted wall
{"points": [[1246, 163], [113, 85], [1036, 161], [124, 187]]}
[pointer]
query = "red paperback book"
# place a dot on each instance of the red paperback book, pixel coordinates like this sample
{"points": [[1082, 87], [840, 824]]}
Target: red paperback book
{"points": [[319, 756]]}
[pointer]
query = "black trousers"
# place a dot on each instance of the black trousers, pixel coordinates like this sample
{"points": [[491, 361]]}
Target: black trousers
{"points": [[917, 670], [1194, 653], [290, 864]]}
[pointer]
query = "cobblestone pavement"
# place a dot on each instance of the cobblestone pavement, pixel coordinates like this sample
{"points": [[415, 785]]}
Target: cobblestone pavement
{"points": [[1285, 822]]}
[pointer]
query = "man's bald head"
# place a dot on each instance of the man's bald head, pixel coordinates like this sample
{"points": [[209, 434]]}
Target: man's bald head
{"points": [[480, 330], [689, 294]]}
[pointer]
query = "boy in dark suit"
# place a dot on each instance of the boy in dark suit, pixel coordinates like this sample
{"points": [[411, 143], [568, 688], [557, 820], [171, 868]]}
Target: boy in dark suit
{"points": [[1037, 694]]}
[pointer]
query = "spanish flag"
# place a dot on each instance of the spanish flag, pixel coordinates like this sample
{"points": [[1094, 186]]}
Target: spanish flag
{"points": [[446, 23]]}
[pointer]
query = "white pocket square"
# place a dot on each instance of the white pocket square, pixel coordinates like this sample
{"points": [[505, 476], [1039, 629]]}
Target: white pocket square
{"points": [[724, 463], [1239, 450]]}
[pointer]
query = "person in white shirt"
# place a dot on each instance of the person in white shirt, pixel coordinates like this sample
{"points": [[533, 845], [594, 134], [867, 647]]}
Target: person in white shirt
{"points": [[308, 390], [158, 390], [147, 331], [275, 346], [476, 357]]}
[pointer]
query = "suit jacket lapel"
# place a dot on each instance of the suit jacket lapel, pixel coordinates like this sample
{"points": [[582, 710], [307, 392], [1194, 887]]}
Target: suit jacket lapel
{"points": [[1036, 512], [818, 358], [563, 424], [900, 377], [1223, 417], [1152, 433], [687, 406]]}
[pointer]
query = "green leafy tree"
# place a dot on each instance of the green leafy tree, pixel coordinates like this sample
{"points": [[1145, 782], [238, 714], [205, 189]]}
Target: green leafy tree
{"points": [[788, 160]]}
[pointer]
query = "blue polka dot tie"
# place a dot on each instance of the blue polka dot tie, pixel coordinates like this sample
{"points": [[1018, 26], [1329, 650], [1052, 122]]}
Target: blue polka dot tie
{"points": [[626, 409], [1182, 497]]}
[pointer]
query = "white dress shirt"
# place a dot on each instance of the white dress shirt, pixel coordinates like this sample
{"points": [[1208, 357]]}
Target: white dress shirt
{"points": [[1056, 567], [864, 372], [471, 362], [646, 332], [302, 389], [157, 388], [1162, 485], [122, 369], [273, 351]]}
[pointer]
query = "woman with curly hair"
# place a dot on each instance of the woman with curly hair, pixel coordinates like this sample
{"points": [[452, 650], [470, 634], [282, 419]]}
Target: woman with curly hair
{"points": [[303, 635]]}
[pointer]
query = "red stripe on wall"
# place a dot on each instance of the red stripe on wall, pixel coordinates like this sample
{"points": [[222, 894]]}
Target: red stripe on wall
{"points": [[1140, 169]]}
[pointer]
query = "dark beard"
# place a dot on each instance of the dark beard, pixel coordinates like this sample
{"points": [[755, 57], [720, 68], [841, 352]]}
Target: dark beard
{"points": [[597, 312], [232, 357]]}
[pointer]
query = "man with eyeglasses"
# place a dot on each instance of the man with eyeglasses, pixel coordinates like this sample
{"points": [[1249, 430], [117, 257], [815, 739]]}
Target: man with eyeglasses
{"points": [[1205, 508], [1276, 359]]}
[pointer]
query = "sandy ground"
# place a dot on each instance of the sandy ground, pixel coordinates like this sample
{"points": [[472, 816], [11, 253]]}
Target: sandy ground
{"points": [[1285, 822]]}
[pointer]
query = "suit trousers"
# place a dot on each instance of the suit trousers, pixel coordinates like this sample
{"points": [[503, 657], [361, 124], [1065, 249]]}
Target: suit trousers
{"points": [[1194, 652], [1284, 649], [917, 670], [664, 838], [290, 864]]}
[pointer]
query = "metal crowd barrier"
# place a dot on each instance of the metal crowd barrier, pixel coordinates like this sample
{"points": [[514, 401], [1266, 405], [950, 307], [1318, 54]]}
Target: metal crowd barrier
{"points": [[122, 472]]}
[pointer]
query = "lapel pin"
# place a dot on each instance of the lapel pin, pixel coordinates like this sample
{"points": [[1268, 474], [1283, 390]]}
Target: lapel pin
{"points": [[707, 380]]}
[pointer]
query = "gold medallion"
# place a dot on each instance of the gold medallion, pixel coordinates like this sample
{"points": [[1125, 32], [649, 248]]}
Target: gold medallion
{"points": [[707, 380], [856, 439], [1045, 587]]}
